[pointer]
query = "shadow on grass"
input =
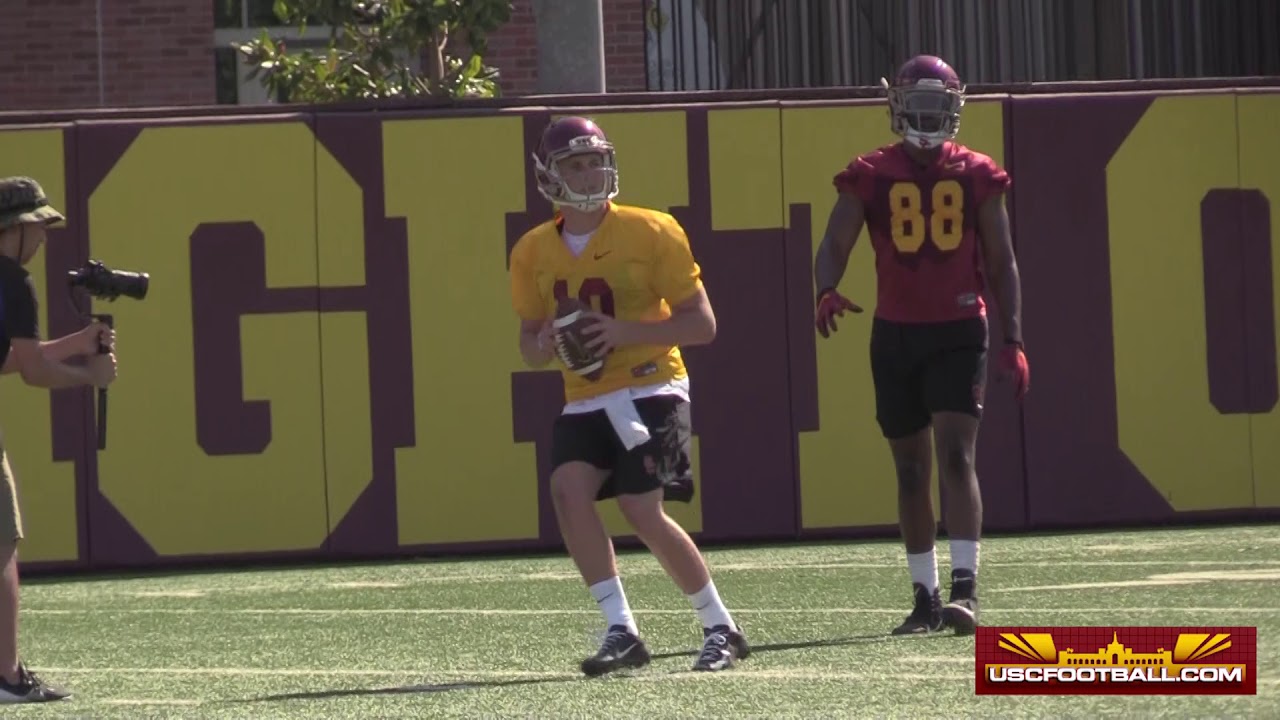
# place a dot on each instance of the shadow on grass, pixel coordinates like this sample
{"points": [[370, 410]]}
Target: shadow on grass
{"points": [[428, 688]]}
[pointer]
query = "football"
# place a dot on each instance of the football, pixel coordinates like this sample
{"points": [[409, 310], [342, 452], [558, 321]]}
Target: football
{"points": [[571, 341]]}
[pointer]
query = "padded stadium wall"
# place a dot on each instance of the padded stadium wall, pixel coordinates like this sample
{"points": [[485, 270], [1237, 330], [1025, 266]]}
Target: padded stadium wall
{"points": [[326, 364]]}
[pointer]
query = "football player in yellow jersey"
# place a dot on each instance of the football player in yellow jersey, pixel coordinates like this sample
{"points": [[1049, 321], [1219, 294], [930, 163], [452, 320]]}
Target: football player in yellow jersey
{"points": [[627, 434]]}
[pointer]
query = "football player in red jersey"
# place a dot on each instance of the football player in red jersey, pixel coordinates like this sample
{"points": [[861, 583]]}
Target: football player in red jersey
{"points": [[935, 212]]}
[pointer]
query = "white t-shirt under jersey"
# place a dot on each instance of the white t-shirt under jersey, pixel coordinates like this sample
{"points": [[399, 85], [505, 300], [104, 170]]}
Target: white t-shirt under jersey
{"points": [[576, 243]]}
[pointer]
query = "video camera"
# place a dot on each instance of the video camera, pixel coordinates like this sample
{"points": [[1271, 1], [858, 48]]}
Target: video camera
{"points": [[102, 282]]}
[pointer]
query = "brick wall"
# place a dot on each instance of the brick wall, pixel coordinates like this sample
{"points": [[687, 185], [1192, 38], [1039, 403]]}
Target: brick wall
{"points": [[156, 52], [513, 49], [624, 45], [48, 54], [160, 52]]}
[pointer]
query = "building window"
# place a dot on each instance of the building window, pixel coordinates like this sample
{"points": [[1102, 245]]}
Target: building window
{"points": [[245, 13], [227, 72], [239, 21]]}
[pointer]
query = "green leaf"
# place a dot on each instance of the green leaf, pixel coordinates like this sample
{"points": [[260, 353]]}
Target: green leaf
{"points": [[365, 50], [473, 66]]}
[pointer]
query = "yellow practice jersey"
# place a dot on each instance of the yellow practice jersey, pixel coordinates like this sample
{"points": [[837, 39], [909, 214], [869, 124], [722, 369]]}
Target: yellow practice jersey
{"points": [[636, 265]]}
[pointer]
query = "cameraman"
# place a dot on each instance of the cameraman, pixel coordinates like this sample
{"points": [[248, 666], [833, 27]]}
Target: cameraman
{"points": [[24, 213]]}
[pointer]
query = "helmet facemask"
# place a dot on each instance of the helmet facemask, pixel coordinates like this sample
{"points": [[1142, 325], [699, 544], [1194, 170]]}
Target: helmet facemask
{"points": [[926, 114], [554, 186]]}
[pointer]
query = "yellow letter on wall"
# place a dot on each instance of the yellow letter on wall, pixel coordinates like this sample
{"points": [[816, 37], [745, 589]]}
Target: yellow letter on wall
{"points": [[248, 194], [46, 489], [465, 479]]}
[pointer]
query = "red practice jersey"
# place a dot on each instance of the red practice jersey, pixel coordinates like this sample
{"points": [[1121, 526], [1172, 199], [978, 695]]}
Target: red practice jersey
{"points": [[923, 223]]}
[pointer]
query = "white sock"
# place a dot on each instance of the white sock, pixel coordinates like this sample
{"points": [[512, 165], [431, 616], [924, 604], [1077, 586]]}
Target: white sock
{"points": [[613, 603], [711, 610], [964, 556], [924, 568]]}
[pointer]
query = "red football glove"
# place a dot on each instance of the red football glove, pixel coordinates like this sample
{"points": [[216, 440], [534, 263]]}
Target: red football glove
{"points": [[1014, 363], [831, 305]]}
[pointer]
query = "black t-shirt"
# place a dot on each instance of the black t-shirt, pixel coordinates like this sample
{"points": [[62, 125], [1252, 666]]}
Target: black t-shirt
{"points": [[19, 316]]}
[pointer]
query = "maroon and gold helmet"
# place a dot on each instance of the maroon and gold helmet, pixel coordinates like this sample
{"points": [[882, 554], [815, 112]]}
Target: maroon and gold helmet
{"points": [[564, 138], [925, 99]]}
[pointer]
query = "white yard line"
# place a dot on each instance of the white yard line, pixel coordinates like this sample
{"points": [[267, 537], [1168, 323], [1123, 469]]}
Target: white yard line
{"points": [[99, 589], [328, 672], [1095, 585], [946, 659], [1046, 562], [142, 702], [801, 674], [592, 612], [1195, 577], [744, 672]]}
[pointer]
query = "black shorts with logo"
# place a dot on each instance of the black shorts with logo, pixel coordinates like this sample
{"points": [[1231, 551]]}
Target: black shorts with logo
{"points": [[662, 462], [922, 368]]}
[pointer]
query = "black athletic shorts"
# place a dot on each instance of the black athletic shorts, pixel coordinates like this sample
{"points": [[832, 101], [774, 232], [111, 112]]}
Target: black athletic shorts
{"points": [[662, 462], [922, 368]]}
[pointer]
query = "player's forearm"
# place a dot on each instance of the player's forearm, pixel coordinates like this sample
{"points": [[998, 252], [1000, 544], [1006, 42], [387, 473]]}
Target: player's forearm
{"points": [[829, 264], [841, 234], [682, 329], [534, 356], [1006, 285]]}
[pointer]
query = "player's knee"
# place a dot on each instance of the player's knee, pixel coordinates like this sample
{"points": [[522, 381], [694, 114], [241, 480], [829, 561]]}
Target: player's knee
{"points": [[573, 484], [912, 477], [957, 463], [643, 512]]}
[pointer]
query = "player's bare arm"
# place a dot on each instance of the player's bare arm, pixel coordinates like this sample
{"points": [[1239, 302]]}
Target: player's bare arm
{"points": [[1002, 271], [39, 370], [1001, 265], [692, 322], [844, 224], [535, 342]]}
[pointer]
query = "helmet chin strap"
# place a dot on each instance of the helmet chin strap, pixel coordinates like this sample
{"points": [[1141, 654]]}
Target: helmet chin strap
{"points": [[583, 205]]}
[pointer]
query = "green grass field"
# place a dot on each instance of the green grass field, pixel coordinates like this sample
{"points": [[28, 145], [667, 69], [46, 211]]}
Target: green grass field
{"points": [[503, 637]]}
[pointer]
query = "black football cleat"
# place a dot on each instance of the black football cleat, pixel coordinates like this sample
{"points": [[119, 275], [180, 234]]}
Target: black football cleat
{"points": [[720, 648], [620, 650], [29, 689], [961, 610], [926, 617]]}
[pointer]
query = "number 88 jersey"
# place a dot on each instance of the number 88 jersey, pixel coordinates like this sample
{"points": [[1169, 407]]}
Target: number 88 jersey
{"points": [[923, 222]]}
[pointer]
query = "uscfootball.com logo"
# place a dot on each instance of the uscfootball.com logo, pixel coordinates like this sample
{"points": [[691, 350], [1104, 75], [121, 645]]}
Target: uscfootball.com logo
{"points": [[1116, 660]]}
